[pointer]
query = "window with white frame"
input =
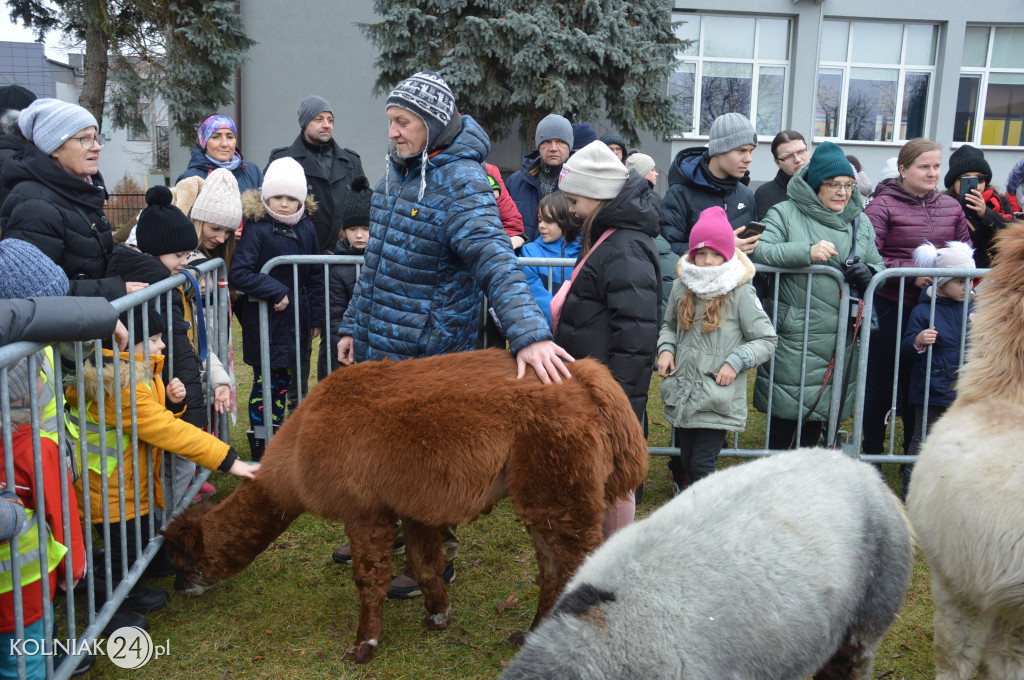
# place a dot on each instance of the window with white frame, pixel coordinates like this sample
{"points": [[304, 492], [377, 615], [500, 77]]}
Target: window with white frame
{"points": [[990, 101], [874, 80], [732, 64]]}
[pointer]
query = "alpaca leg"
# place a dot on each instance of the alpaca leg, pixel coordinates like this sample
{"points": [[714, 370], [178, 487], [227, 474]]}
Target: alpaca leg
{"points": [[1004, 654], [371, 571], [425, 561], [960, 635], [559, 554]]}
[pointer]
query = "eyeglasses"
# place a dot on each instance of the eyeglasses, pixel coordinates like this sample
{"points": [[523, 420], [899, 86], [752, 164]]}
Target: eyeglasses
{"points": [[837, 186], [88, 140], [790, 156]]}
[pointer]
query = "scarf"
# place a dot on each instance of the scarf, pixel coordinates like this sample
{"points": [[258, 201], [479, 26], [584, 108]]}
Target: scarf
{"points": [[235, 161], [710, 282]]}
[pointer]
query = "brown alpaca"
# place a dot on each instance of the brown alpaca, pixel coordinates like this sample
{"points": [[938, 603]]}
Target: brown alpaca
{"points": [[965, 498], [433, 442]]}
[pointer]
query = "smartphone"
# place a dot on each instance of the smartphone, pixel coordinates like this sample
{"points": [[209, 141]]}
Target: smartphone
{"points": [[967, 185], [752, 229]]}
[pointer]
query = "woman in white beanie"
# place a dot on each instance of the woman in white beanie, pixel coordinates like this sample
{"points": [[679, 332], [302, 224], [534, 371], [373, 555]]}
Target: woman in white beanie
{"points": [[56, 196], [609, 309]]}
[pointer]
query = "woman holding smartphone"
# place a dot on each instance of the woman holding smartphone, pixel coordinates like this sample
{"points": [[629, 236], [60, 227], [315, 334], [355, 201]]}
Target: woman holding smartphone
{"points": [[905, 212], [969, 181]]}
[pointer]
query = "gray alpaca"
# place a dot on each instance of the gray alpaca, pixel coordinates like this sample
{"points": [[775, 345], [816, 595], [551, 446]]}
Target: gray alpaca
{"points": [[778, 569]]}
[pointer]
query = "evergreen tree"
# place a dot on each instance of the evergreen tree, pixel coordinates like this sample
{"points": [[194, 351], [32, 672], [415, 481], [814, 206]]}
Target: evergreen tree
{"points": [[185, 51], [509, 59]]}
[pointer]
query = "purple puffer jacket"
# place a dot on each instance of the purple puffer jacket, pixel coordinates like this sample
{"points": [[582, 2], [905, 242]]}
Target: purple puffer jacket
{"points": [[903, 221]]}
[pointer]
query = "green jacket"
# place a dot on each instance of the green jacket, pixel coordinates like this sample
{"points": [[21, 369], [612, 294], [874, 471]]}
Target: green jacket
{"points": [[792, 227], [744, 339]]}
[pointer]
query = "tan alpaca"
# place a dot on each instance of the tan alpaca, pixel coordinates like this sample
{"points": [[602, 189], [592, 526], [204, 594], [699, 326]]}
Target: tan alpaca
{"points": [[966, 498], [433, 442]]}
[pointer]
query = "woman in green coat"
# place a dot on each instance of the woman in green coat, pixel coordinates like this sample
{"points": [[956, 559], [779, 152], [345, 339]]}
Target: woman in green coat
{"points": [[815, 226]]}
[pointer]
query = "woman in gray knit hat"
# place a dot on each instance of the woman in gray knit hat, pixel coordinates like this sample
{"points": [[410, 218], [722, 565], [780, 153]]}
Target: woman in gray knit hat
{"points": [[56, 196]]}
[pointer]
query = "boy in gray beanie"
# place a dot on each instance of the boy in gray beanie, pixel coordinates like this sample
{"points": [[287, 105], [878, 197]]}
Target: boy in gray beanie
{"points": [[713, 176], [538, 176]]}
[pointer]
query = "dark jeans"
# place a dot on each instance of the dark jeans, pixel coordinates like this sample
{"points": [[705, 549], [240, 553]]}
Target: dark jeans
{"points": [[160, 560], [878, 387], [783, 434], [306, 349], [698, 451]]}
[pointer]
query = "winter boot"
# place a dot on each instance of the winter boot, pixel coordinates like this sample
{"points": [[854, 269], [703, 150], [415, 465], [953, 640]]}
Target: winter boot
{"points": [[256, 446]]}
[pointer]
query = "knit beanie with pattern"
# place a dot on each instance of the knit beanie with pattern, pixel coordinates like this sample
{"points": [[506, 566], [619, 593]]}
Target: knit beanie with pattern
{"points": [[48, 123], [219, 201], [712, 230], [162, 227], [593, 172], [428, 96], [967, 159], [553, 126], [828, 160], [730, 131], [26, 272]]}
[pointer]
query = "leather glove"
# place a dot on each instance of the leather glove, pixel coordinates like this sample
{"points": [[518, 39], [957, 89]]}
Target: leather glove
{"points": [[859, 276]]}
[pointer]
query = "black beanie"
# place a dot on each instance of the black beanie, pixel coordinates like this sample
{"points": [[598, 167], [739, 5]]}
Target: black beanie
{"points": [[968, 159], [135, 329], [162, 227], [356, 210], [15, 97]]}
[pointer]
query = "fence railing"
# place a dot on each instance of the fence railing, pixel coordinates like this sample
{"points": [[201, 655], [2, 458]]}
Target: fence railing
{"points": [[101, 597]]}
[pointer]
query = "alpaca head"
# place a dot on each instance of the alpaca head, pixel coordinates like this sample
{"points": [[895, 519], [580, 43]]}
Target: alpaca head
{"points": [[183, 540]]}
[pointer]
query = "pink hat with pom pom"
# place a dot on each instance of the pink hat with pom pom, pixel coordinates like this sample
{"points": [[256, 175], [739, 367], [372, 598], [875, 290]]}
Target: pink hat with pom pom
{"points": [[956, 255]]}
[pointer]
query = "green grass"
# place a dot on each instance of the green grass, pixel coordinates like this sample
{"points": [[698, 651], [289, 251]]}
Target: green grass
{"points": [[293, 612]]}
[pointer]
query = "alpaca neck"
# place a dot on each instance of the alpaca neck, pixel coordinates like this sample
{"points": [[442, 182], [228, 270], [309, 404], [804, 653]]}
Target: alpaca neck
{"points": [[240, 528], [994, 366]]}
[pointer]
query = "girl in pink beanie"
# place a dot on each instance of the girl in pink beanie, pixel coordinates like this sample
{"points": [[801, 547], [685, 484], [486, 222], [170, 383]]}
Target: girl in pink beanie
{"points": [[715, 330]]}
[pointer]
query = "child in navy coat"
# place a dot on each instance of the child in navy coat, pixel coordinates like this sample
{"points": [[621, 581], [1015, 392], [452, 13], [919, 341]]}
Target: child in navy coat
{"points": [[277, 224], [942, 335]]}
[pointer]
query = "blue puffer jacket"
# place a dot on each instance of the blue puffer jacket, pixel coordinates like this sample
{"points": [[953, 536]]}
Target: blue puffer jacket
{"points": [[537, 277], [419, 292], [524, 189], [949, 322]]}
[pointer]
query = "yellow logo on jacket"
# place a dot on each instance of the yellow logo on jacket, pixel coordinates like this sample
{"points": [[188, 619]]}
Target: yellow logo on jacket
{"points": [[414, 211]]}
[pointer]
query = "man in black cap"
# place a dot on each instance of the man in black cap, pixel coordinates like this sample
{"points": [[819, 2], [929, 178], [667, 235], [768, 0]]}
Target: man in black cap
{"points": [[329, 168]]}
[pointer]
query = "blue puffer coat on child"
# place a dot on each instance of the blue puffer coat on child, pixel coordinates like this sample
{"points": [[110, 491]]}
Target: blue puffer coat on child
{"points": [[949, 320], [537, 276]]}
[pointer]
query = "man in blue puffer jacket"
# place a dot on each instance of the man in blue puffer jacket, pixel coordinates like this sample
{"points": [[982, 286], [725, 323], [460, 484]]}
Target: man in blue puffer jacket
{"points": [[436, 242]]}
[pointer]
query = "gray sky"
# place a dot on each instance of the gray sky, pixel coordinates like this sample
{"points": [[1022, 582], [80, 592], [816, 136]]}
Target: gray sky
{"points": [[16, 33]]}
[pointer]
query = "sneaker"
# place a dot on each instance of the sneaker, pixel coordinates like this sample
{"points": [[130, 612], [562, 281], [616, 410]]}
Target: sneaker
{"points": [[343, 553], [205, 491], [404, 586]]}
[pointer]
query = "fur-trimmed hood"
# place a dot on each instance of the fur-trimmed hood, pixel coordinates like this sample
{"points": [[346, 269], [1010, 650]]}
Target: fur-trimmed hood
{"points": [[185, 192], [9, 127], [144, 373], [254, 210]]}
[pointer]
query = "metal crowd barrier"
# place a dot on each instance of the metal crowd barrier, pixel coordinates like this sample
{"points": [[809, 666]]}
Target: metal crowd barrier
{"points": [[69, 359], [847, 436]]}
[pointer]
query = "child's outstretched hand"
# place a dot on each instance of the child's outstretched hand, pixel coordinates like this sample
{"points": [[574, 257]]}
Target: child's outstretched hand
{"points": [[280, 306], [666, 363], [175, 391], [221, 397], [726, 375], [240, 468], [925, 338]]}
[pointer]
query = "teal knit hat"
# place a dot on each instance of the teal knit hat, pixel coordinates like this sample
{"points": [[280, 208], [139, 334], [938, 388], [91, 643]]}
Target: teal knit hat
{"points": [[827, 161]]}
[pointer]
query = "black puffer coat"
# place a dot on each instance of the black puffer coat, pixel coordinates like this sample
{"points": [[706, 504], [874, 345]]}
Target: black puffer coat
{"points": [[611, 312], [63, 217], [329, 189]]}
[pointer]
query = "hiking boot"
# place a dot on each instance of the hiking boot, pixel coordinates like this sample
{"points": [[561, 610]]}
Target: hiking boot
{"points": [[142, 599], [256, 446], [343, 553], [125, 617], [404, 586]]}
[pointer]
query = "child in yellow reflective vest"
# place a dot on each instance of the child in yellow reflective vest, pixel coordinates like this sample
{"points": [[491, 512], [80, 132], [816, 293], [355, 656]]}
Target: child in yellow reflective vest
{"points": [[51, 544]]}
